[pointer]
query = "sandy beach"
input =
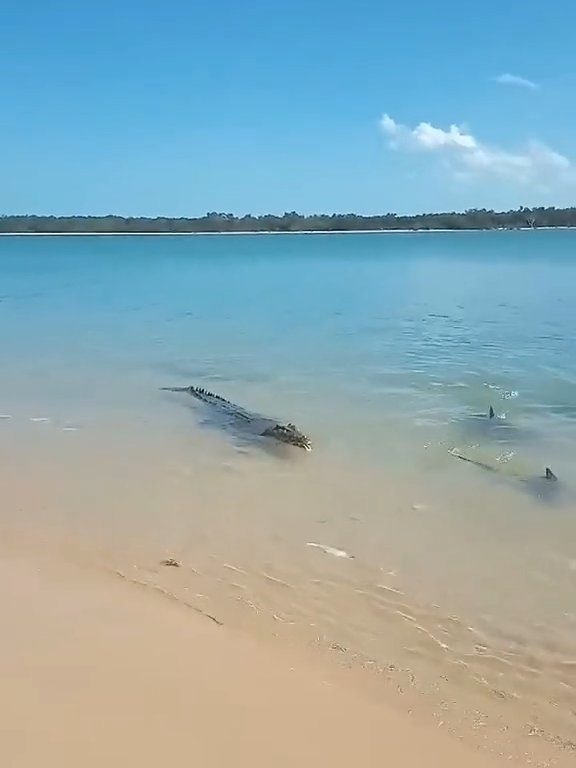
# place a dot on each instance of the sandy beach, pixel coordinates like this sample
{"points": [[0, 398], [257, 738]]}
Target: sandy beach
{"points": [[98, 672]]}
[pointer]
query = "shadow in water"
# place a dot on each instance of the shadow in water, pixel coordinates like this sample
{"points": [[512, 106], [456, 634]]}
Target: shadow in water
{"points": [[493, 427], [545, 487], [246, 430]]}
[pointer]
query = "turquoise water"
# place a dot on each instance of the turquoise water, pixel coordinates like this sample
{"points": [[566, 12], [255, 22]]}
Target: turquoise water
{"points": [[383, 348], [398, 326]]}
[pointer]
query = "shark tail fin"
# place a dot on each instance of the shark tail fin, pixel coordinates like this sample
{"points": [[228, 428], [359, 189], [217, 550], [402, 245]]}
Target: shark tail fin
{"points": [[491, 413]]}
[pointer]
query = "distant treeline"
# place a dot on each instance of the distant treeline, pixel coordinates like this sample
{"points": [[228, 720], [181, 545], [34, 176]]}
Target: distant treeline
{"points": [[294, 222]]}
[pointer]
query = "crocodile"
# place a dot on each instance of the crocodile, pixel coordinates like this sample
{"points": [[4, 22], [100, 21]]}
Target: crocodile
{"points": [[259, 425]]}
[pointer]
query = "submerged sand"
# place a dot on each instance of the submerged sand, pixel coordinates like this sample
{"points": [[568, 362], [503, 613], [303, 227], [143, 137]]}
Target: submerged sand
{"points": [[96, 671]]}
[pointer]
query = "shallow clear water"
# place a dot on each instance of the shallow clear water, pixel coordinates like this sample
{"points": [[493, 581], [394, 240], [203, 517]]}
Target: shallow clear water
{"points": [[384, 349]]}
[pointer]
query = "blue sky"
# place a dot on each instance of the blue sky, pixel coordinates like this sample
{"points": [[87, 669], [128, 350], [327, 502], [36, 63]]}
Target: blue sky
{"points": [[178, 108]]}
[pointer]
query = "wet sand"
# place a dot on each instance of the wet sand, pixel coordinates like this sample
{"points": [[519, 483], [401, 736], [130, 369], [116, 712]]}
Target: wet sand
{"points": [[494, 685], [98, 672]]}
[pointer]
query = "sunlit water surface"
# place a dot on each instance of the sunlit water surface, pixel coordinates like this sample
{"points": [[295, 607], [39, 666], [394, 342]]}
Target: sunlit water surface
{"points": [[388, 350]]}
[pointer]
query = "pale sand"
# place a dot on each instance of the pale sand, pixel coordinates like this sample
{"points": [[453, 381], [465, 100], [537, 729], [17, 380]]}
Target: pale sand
{"points": [[97, 672]]}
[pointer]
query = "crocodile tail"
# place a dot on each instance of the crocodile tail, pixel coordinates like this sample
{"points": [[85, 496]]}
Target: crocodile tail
{"points": [[206, 393]]}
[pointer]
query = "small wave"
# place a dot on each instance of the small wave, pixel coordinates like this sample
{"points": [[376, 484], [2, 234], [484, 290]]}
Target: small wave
{"points": [[330, 550], [234, 568], [275, 580], [386, 588], [506, 456]]}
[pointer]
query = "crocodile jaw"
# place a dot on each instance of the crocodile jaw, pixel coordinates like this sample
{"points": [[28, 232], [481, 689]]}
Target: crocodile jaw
{"points": [[291, 435]]}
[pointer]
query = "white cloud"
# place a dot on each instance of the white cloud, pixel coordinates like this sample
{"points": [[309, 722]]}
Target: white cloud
{"points": [[467, 156], [522, 82]]}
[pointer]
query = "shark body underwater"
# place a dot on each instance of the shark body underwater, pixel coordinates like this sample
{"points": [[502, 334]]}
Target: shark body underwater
{"points": [[545, 487]]}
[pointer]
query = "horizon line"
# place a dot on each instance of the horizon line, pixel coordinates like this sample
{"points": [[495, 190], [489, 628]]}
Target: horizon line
{"points": [[238, 216]]}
